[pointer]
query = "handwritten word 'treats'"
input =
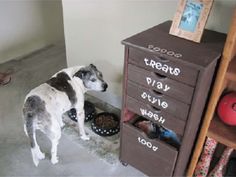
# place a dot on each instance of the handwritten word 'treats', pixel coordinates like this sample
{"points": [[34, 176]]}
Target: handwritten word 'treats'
{"points": [[162, 67]]}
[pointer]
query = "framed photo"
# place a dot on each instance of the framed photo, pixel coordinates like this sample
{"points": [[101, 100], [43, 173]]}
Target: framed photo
{"points": [[190, 19]]}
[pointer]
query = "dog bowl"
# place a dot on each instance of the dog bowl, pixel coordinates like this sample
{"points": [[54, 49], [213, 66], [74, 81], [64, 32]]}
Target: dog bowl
{"points": [[106, 124], [89, 111], [72, 114]]}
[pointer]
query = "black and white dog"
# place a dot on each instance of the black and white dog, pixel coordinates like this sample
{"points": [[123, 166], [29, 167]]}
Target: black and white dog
{"points": [[44, 105]]}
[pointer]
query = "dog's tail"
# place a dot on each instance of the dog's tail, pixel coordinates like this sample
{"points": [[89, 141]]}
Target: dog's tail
{"points": [[30, 118], [29, 129]]}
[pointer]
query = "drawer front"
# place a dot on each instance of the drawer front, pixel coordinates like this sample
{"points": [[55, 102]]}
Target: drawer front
{"points": [[163, 85], [163, 66], [159, 117], [153, 157], [158, 100]]}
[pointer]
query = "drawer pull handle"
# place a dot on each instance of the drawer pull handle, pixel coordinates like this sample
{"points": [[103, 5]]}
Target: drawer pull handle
{"points": [[156, 110], [162, 59], [158, 94], [159, 76]]}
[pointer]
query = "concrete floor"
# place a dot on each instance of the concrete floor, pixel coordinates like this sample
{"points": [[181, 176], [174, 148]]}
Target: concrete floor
{"points": [[15, 157]]}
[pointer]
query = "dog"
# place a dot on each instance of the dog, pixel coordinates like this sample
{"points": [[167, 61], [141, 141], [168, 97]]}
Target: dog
{"points": [[44, 105]]}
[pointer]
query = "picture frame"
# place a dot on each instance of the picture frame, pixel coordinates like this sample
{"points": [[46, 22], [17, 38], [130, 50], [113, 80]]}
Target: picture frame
{"points": [[190, 19]]}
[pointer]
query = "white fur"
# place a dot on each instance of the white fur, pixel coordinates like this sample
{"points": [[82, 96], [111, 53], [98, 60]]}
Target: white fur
{"points": [[57, 103]]}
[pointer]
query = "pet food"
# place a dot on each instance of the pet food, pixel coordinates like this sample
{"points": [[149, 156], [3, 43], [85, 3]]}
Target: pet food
{"points": [[106, 121], [106, 124]]}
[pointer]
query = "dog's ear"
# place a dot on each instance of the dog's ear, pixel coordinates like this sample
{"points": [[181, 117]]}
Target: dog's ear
{"points": [[81, 74], [93, 66]]}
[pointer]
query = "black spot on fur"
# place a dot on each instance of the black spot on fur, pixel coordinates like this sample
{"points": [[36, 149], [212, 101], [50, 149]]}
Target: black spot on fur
{"points": [[34, 103], [82, 73], [33, 107], [60, 82]]}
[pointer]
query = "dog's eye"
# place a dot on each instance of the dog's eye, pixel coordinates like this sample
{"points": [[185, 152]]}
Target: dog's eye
{"points": [[93, 80], [100, 74]]}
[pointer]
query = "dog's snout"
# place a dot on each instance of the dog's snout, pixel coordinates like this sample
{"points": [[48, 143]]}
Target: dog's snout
{"points": [[104, 85]]}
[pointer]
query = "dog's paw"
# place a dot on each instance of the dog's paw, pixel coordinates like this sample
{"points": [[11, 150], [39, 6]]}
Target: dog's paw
{"points": [[54, 160], [36, 161], [85, 137]]}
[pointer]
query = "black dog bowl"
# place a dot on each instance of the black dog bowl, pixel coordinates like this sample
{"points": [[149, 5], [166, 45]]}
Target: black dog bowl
{"points": [[106, 124], [89, 111]]}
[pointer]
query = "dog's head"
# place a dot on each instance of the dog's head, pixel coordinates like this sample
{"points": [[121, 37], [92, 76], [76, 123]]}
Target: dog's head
{"points": [[92, 78]]}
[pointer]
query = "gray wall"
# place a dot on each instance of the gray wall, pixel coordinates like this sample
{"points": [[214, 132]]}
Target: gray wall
{"points": [[95, 28], [27, 25]]}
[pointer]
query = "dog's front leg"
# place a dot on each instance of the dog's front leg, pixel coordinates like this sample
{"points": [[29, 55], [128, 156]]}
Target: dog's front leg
{"points": [[81, 117]]}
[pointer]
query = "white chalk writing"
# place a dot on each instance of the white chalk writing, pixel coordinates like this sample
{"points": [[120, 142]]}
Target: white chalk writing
{"points": [[154, 100], [170, 53], [152, 115], [161, 67], [147, 144], [157, 84]]}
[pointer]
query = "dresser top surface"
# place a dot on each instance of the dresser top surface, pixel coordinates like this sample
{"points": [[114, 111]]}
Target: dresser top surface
{"points": [[198, 55]]}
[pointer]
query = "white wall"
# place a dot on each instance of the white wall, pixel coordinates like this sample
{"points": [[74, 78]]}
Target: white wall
{"points": [[27, 25], [95, 28]]}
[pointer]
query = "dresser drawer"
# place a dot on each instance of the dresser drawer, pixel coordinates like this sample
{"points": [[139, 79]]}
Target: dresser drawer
{"points": [[157, 116], [163, 85], [171, 69], [158, 100], [153, 157]]}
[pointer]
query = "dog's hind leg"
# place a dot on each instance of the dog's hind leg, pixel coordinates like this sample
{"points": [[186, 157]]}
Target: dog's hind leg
{"points": [[81, 117], [30, 132], [54, 134], [36, 152]]}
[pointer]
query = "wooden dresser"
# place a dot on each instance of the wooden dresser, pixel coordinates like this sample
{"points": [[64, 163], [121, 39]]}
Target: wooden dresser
{"points": [[166, 80]]}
